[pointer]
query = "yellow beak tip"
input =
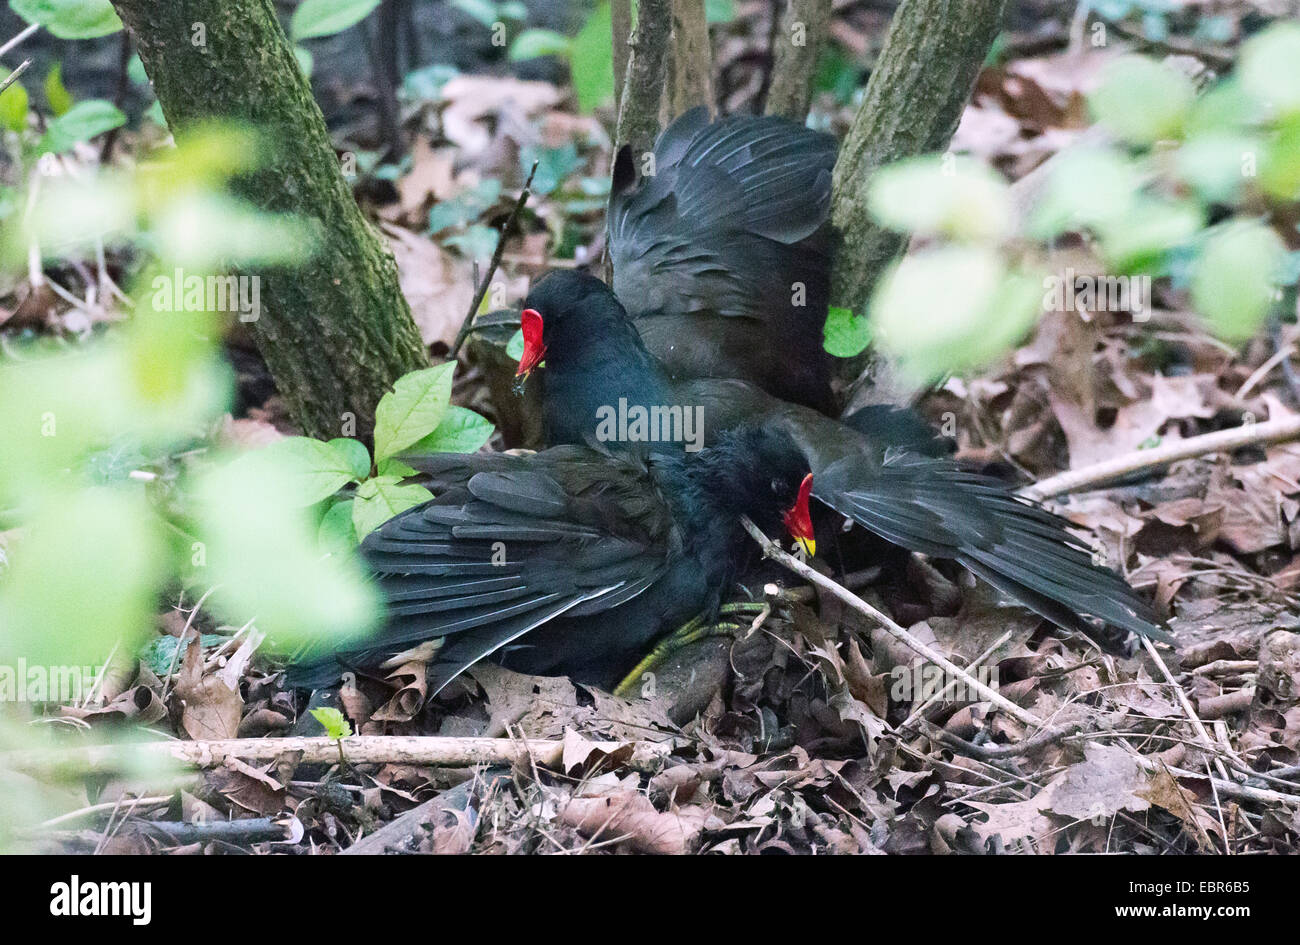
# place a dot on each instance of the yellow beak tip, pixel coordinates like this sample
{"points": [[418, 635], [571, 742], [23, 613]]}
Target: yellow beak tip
{"points": [[808, 545]]}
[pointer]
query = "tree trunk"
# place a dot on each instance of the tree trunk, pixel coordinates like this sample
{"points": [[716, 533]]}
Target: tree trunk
{"points": [[692, 61], [337, 332], [913, 102], [798, 43], [638, 110]]}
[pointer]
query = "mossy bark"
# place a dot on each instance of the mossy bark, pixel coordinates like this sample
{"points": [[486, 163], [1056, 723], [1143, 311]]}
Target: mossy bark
{"points": [[691, 62], [799, 41], [638, 110], [337, 332], [914, 100]]}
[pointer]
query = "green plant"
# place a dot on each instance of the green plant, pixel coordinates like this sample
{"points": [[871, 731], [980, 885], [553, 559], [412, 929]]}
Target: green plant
{"points": [[1144, 202], [416, 416], [589, 55]]}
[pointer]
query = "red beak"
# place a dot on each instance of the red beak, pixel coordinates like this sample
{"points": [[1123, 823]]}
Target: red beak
{"points": [[534, 349], [798, 521]]}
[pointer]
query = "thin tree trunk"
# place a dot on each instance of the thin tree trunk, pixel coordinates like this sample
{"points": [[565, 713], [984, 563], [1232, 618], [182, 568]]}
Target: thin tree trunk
{"points": [[692, 81], [338, 332], [621, 28], [638, 111], [914, 100], [798, 43]]}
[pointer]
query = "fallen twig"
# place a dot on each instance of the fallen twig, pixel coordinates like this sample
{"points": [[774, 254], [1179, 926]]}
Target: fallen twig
{"points": [[1221, 441], [360, 749], [13, 76], [1202, 736], [28, 31], [771, 550]]}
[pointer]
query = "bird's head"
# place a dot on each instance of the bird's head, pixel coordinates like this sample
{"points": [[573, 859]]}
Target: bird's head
{"points": [[565, 311], [769, 480]]}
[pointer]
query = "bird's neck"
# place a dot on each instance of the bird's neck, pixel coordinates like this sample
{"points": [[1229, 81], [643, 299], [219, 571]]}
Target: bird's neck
{"points": [[706, 504], [597, 370]]}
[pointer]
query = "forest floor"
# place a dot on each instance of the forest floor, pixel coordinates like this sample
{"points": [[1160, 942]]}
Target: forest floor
{"points": [[810, 744]]}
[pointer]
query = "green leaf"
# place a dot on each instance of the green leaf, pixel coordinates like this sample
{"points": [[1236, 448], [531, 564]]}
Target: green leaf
{"points": [[461, 431], [959, 197], [393, 467], [161, 655], [532, 43], [483, 11], [306, 62], [1270, 67], [58, 97], [336, 726], [84, 577], [412, 409], [13, 106], [336, 534], [591, 60], [70, 19], [952, 308], [81, 123], [327, 17], [1142, 101], [1085, 187], [381, 498], [207, 229], [846, 335], [1215, 163], [355, 455], [515, 346], [262, 552], [1156, 226], [316, 470], [1233, 279], [1280, 175]]}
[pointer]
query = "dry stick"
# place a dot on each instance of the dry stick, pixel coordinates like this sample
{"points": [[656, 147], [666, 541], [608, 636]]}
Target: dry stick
{"points": [[13, 76], [993, 753], [492, 266], [1202, 736], [1250, 434], [770, 550], [359, 749], [924, 706], [19, 38]]}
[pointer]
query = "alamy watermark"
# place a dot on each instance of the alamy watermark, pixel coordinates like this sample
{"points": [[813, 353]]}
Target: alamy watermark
{"points": [[923, 682], [180, 292], [636, 423], [1069, 290], [20, 682]]}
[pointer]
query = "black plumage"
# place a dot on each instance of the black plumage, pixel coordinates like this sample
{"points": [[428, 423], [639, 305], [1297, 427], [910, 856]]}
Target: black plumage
{"points": [[569, 561], [877, 467]]}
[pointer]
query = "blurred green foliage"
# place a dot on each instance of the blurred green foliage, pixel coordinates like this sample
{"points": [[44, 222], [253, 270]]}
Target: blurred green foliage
{"points": [[590, 55], [1176, 160]]}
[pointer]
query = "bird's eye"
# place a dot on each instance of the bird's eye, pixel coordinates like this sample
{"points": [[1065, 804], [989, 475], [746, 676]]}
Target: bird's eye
{"points": [[778, 486]]}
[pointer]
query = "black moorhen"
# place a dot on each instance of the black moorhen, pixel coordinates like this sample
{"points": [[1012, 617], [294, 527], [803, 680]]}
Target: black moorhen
{"points": [[570, 561], [724, 255]]}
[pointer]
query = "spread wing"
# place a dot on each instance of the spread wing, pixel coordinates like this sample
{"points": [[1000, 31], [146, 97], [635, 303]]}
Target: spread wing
{"points": [[508, 544], [730, 228]]}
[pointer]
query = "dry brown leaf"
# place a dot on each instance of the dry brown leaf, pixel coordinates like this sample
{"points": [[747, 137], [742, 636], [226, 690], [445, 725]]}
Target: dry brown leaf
{"points": [[631, 816], [210, 707]]}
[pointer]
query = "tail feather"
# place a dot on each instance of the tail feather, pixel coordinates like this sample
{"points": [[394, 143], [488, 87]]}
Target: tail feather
{"points": [[937, 508]]}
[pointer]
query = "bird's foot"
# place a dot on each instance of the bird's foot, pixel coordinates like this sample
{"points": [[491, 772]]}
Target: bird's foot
{"points": [[690, 632]]}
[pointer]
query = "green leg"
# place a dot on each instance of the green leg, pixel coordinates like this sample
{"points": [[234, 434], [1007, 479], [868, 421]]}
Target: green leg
{"points": [[690, 632]]}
